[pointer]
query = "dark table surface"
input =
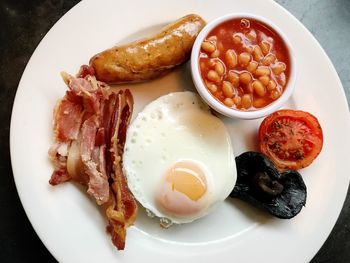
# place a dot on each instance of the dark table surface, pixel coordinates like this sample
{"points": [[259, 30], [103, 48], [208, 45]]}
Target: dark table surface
{"points": [[24, 23]]}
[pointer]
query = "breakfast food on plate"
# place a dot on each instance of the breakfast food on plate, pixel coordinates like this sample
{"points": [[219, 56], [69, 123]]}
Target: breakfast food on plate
{"points": [[244, 64], [178, 158], [89, 126], [259, 183], [291, 138], [149, 58]]}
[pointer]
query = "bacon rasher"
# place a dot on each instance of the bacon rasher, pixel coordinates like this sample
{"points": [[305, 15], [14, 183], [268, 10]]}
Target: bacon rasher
{"points": [[89, 125]]}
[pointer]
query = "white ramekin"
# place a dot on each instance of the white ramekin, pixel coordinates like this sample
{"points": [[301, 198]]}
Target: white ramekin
{"points": [[209, 98]]}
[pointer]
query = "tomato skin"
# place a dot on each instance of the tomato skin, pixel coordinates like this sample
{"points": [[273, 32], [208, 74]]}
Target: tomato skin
{"points": [[291, 138]]}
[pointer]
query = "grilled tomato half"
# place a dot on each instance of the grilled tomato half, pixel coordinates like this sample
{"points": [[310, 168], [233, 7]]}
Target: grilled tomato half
{"points": [[291, 138]]}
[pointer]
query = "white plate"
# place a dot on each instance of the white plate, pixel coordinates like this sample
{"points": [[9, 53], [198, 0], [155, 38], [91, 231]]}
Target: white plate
{"points": [[69, 223]]}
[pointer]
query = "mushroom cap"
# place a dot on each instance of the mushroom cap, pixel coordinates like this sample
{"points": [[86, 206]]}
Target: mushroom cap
{"points": [[260, 183]]}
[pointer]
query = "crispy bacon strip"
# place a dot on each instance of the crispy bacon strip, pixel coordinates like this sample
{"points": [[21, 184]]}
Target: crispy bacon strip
{"points": [[123, 209], [90, 125], [98, 185]]}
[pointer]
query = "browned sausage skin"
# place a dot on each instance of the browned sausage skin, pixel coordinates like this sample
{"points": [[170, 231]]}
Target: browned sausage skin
{"points": [[149, 58]]}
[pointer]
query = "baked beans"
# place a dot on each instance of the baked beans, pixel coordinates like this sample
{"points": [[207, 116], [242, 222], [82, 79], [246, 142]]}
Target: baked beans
{"points": [[245, 64]]}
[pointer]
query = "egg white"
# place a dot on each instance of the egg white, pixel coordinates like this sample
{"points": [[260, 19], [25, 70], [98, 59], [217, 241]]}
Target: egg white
{"points": [[175, 127]]}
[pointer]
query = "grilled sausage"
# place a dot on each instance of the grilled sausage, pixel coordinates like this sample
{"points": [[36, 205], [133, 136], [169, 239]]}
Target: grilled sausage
{"points": [[149, 58]]}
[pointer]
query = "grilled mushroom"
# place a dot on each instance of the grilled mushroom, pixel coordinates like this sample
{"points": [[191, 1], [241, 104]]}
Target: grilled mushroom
{"points": [[259, 183]]}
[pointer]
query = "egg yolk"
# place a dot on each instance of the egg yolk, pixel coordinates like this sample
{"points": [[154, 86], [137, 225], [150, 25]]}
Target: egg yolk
{"points": [[181, 191], [187, 178]]}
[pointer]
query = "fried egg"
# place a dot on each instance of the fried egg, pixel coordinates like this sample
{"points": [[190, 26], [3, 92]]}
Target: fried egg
{"points": [[178, 158]]}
